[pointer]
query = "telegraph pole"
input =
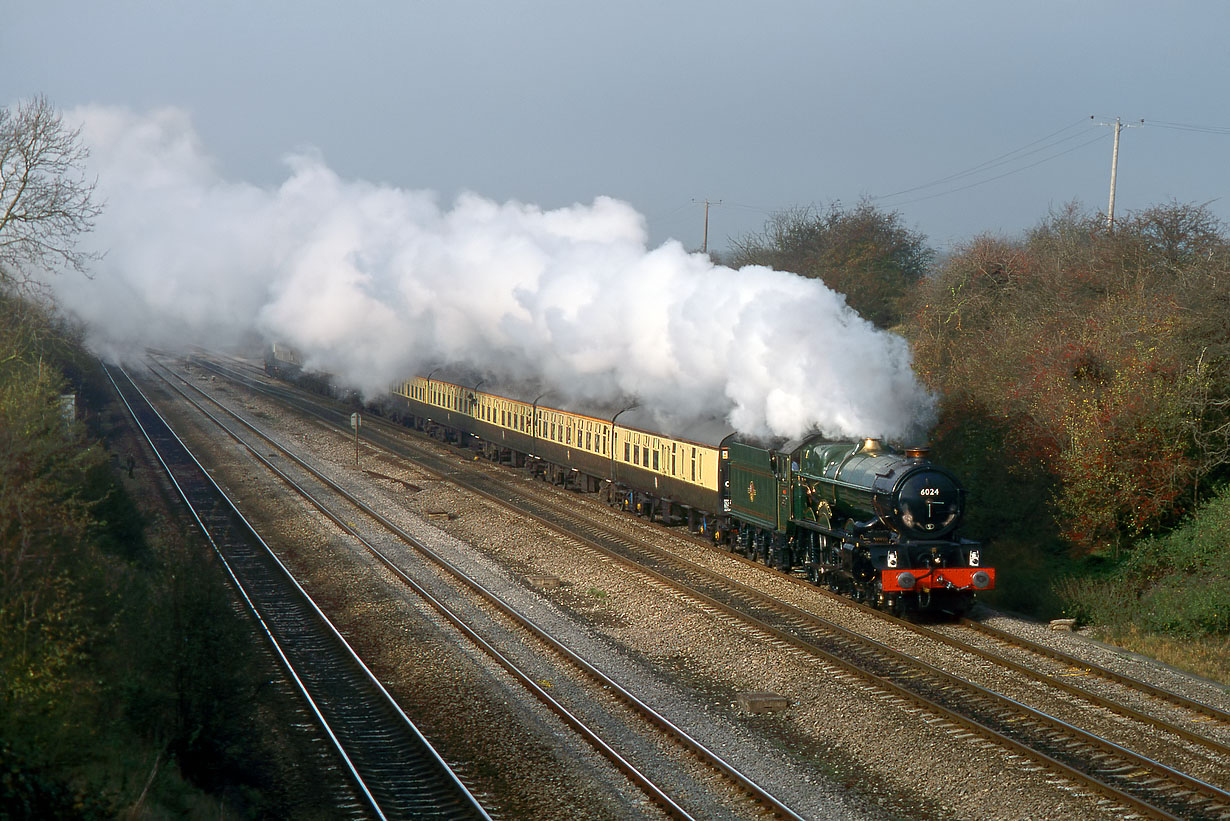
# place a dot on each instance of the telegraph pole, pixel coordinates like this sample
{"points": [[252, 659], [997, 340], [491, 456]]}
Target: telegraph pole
{"points": [[704, 246], [1114, 168]]}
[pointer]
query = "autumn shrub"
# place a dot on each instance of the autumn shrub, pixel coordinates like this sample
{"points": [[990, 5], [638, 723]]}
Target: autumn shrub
{"points": [[1105, 354], [861, 251]]}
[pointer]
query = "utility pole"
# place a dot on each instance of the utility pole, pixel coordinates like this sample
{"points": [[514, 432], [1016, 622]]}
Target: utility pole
{"points": [[1114, 168], [704, 246]]}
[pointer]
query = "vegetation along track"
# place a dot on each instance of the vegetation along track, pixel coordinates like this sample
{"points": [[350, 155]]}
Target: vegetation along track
{"points": [[396, 772], [761, 801], [1139, 782]]}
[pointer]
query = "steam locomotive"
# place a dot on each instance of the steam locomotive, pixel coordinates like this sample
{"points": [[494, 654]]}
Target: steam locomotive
{"points": [[858, 517]]}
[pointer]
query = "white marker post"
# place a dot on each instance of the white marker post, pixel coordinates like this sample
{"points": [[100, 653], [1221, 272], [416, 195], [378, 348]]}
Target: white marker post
{"points": [[355, 421]]}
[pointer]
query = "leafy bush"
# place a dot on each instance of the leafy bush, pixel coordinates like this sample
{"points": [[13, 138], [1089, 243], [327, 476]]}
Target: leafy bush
{"points": [[1177, 584], [1096, 600], [1181, 605]]}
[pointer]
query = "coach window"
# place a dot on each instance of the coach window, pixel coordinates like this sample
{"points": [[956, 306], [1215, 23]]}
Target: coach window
{"points": [[655, 460], [693, 464]]}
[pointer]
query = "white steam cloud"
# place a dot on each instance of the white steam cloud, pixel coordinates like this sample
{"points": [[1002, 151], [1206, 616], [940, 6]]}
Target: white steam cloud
{"points": [[375, 284]]}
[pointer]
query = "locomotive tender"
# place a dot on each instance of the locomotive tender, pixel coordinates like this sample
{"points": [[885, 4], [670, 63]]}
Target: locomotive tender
{"points": [[858, 517]]}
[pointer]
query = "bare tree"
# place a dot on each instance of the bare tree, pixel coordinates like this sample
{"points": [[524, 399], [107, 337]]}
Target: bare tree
{"points": [[46, 201], [865, 253]]}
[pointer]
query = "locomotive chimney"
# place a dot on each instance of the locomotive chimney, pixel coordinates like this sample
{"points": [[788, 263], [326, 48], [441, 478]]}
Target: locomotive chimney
{"points": [[917, 452]]}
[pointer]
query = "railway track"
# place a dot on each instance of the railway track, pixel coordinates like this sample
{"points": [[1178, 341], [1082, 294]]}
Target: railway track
{"points": [[1138, 783], [316, 489], [395, 771]]}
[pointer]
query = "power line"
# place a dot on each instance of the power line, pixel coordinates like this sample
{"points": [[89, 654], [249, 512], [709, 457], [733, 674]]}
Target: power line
{"points": [[994, 162], [1206, 129], [998, 176]]}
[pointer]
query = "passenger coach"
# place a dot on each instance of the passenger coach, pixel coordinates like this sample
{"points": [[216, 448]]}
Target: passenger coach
{"points": [[671, 478]]}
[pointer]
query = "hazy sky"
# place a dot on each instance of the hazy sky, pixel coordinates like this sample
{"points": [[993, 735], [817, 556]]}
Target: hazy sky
{"points": [[763, 105]]}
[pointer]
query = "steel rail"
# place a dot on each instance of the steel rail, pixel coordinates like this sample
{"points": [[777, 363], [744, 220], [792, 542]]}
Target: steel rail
{"points": [[1177, 699], [1212, 793], [1131, 759], [469, 806], [694, 746], [1050, 681]]}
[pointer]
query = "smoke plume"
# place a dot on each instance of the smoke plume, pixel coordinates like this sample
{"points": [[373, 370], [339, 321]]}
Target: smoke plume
{"points": [[374, 283]]}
